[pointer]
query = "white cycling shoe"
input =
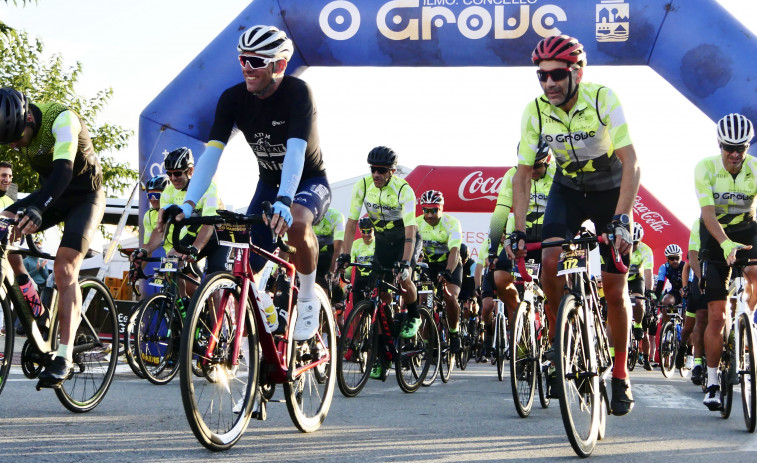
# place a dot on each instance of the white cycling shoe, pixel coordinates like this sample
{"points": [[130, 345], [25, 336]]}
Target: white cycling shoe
{"points": [[307, 319]]}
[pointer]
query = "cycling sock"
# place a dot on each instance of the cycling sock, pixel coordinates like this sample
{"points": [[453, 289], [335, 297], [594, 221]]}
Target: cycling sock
{"points": [[22, 279], [619, 366], [307, 285], [412, 309], [712, 376], [65, 351], [612, 352], [698, 361], [637, 325], [452, 331]]}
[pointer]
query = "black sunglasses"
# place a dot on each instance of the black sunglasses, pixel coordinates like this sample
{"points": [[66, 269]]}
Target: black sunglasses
{"points": [[734, 148], [433, 210], [175, 173], [557, 74], [674, 258], [380, 170], [366, 230]]}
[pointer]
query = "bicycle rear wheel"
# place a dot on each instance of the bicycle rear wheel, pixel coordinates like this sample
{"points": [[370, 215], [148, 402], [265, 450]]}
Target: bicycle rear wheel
{"points": [[446, 358], [218, 404], [463, 356], [544, 344], [313, 363], [95, 349], [157, 336], [131, 356], [523, 363], [502, 346], [578, 383], [357, 350], [414, 355], [7, 335], [436, 358], [633, 353], [745, 361], [726, 387], [668, 341]]}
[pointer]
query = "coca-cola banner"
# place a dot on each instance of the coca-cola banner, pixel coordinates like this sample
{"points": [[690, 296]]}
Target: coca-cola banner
{"points": [[470, 193]]}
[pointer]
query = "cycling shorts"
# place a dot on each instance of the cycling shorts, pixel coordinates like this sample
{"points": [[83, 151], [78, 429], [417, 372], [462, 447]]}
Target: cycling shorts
{"points": [[696, 300], [216, 254], [314, 193], [80, 213], [636, 286], [717, 273], [487, 285], [390, 247], [324, 260], [434, 269], [567, 209]]}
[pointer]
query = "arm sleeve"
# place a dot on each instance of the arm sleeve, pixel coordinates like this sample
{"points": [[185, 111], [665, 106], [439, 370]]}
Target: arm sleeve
{"points": [[501, 210], [661, 275], [204, 171], [294, 163], [56, 183]]}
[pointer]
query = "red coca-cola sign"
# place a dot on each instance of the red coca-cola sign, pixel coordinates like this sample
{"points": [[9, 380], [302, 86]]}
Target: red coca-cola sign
{"points": [[475, 189]]}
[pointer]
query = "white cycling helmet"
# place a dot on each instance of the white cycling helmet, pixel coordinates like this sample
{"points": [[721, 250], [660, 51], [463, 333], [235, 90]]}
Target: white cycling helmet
{"points": [[638, 232], [735, 129], [266, 41], [432, 197], [673, 250]]}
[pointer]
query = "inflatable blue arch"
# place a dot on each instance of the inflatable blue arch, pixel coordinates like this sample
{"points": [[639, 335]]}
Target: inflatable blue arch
{"points": [[696, 45]]}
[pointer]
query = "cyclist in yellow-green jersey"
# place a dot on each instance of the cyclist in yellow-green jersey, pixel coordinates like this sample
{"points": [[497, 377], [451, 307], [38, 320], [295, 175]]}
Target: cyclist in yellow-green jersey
{"points": [[442, 236], [726, 189], [695, 321], [362, 253]]}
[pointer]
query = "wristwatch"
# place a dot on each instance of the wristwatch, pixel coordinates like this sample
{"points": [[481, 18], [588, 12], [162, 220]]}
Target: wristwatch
{"points": [[623, 219], [285, 200]]}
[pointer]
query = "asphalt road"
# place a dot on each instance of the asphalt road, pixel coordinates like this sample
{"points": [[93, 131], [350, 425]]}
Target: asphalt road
{"points": [[472, 418]]}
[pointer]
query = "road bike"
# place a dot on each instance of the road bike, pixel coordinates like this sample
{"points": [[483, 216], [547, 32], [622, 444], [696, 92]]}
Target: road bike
{"points": [[371, 334], [582, 347], [233, 352], [95, 344], [500, 340], [670, 339]]}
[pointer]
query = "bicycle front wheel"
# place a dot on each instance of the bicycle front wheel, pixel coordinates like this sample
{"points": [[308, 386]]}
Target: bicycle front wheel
{"points": [[436, 359], [157, 336], [633, 353], [577, 379], [523, 363], [95, 349], [357, 350], [7, 335], [129, 344], [218, 403], [668, 341], [543, 364], [414, 355], [463, 356], [501, 351], [745, 363], [446, 358]]}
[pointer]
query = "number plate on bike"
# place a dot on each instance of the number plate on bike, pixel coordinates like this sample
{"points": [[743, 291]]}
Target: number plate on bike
{"points": [[233, 235], [157, 282], [572, 262], [531, 267], [169, 264]]}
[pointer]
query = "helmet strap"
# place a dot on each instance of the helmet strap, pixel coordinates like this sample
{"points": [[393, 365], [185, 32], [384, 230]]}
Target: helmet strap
{"points": [[572, 89]]}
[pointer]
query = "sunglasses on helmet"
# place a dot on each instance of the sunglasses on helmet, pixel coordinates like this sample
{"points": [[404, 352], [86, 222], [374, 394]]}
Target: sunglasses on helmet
{"points": [[734, 148], [254, 62], [380, 170], [556, 74]]}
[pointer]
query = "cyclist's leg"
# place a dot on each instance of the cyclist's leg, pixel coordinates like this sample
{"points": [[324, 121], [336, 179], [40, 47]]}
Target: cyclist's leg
{"points": [[504, 284], [451, 298], [636, 288]]}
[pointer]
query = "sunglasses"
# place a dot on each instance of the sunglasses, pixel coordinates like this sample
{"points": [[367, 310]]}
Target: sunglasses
{"points": [[556, 74], [175, 173], [674, 258], [433, 210], [254, 62], [539, 165], [734, 148], [153, 196], [380, 170], [366, 231]]}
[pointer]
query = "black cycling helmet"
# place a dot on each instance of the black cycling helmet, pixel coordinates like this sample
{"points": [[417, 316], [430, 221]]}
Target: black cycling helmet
{"points": [[13, 109], [382, 156], [463, 252], [365, 223], [157, 183], [179, 159]]}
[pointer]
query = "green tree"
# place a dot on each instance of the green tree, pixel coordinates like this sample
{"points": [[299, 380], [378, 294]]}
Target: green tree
{"points": [[24, 68]]}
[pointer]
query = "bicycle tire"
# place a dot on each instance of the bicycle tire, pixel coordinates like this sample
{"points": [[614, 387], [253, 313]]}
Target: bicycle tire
{"points": [[218, 405], [544, 344], [436, 358], [357, 350], [309, 394], [668, 349], [463, 356], [414, 355], [501, 346], [157, 336], [579, 395], [726, 387], [633, 353], [446, 358], [523, 362], [95, 346], [7, 336], [131, 359], [747, 372]]}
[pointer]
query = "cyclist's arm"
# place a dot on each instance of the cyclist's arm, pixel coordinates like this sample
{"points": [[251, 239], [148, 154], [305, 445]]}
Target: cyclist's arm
{"points": [[477, 274], [648, 279], [203, 236], [453, 243], [685, 275], [349, 236], [629, 183], [661, 277], [338, 240], [294, 163], [66, 129], [205, 169], [694, 263], [156, 238], [407, 200], [410, 231], [521, 195], [713, 226], [501, 211]]}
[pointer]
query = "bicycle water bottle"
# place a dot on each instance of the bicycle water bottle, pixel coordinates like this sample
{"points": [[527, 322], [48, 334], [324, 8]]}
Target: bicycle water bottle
{"points": [[268, 311]]}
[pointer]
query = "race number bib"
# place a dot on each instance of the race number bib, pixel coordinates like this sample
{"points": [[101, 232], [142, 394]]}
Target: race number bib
{"points": [[169, 264], [572, 262], [233, 235]]}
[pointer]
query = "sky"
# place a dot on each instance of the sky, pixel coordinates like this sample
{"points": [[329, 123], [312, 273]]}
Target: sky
{"points": [[448, 116]]}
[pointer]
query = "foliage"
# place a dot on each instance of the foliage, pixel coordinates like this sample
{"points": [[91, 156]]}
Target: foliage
{"points": [[25, 68]]}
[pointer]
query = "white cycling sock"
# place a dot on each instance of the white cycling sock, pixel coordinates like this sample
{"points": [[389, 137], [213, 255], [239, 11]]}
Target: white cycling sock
{"points": [[307, 285], [65, 351], [712, 376]]}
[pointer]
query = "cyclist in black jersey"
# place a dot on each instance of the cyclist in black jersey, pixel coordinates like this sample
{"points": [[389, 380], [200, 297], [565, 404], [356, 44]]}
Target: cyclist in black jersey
{"points": [[57, 144], [277, 116]]}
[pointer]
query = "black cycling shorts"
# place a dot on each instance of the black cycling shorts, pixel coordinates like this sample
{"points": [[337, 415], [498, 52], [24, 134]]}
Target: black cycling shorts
{"points": [[695, 301], [567, 209], [717, 273], [487, 285], [80, 213], [217, 255], [636, 286], [435, 268], [390, 247]]}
